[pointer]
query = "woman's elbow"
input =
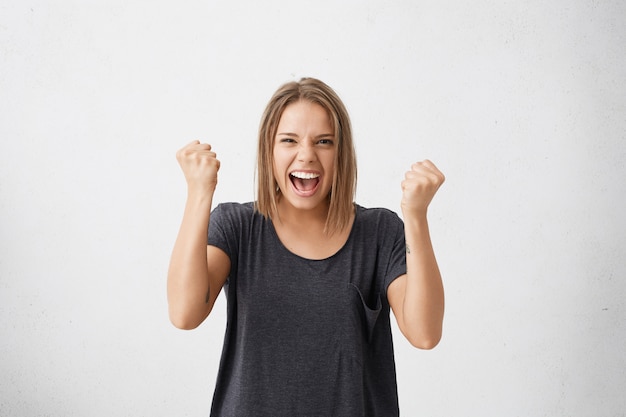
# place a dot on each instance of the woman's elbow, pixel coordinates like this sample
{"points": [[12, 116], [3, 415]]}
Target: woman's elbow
{"points": [[424, 341], [184, 321], [183, 325], [424, 344]]}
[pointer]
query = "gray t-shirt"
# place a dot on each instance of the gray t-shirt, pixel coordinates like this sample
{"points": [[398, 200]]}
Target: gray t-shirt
{"points": [[307, 337]]}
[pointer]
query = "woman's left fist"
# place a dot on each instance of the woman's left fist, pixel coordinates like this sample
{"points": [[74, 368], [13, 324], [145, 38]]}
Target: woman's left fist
{"points": [[419, 187]]}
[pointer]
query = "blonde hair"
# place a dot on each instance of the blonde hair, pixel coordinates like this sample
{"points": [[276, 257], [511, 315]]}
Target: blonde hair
{"points": [[341, 196]]}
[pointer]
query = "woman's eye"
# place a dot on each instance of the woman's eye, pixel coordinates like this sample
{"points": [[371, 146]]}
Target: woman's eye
{"points": [[287, 140], [325, 142]]}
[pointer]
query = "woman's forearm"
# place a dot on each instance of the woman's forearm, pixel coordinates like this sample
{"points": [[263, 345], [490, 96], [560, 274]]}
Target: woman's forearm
{"points": [[188, 278], [423, 306]]}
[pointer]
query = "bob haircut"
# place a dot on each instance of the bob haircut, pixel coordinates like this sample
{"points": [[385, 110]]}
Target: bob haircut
{"points": [[341, 196]]}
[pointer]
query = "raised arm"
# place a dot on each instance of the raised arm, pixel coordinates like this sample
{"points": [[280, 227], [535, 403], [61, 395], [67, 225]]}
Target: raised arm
{"points": [[417, 298], [197, 272]]}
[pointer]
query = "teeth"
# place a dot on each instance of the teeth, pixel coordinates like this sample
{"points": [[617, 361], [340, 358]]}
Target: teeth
{"points": [[305, 175]]}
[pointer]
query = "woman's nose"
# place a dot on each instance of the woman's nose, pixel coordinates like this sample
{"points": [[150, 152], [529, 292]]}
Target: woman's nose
{"points": [[306, 153]]}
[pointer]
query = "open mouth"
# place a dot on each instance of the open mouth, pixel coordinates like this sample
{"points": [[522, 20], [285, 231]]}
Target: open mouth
{"points": [[304, 182]]}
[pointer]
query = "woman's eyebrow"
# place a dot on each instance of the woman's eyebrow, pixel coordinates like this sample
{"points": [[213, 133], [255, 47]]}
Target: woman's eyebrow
{"points": [[323, 135]]}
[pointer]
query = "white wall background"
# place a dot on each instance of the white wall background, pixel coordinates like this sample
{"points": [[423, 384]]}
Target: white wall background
{"points": [[521, 104]]}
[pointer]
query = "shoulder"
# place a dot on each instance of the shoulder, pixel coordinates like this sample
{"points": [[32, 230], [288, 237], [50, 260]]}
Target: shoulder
{"points": [[235, 209], [379, 224], [232, 207], [237, 213], [378, 215]]}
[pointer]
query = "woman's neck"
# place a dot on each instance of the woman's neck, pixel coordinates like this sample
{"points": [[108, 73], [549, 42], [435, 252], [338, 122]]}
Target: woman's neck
{"points": [[295, 218], [303, 232]]}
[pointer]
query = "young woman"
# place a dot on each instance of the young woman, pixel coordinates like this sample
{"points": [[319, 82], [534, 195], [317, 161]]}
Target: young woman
{"points": [[309, 275]]}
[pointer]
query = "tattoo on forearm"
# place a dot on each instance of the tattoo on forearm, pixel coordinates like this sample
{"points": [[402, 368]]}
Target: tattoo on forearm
{"points": [[408, 249]]}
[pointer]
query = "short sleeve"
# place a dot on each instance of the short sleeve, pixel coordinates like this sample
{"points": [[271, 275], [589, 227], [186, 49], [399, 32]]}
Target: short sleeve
{"points": [[397, 256], [221, 230]]}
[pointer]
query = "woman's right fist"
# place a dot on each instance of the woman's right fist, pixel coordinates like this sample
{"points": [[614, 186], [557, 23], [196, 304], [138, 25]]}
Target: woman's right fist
{"points": [[200, 166]]}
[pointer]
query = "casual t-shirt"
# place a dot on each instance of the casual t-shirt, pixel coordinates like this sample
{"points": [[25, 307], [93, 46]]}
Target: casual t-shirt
{"points": [[307, 337]]}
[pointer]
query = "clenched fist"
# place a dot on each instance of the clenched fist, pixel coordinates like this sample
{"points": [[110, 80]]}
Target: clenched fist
{"points": [[419, 187], [200, 166]]}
